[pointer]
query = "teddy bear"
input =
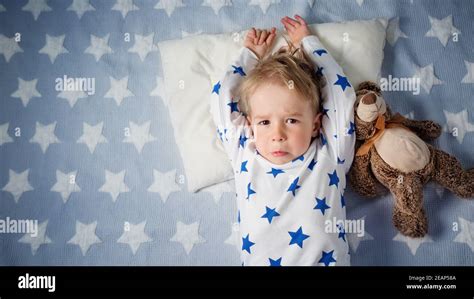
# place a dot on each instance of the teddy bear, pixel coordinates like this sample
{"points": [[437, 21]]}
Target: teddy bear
{"points": [[392, 152]]}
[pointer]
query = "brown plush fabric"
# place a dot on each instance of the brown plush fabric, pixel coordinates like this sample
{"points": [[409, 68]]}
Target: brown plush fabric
{"points": [[370, 171]]}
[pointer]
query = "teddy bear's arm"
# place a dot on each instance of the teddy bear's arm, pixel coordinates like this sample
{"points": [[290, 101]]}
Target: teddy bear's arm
{"points": [[425, 129], [361, 177]]}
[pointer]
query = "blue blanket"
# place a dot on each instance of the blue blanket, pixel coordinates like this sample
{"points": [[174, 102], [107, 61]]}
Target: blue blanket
{"points": [[90, 173]]}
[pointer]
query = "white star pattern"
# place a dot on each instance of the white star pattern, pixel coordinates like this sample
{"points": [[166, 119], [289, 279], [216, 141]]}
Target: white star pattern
{"points": [[26, 91], [54, 47], [4, 137], [38, 240], [17, 184], [427, 77], [394, 32], [85, 236], [36, 7], [442, 29], [264, 4], [44, 135], [143, 45], [469, 78], [169, 5], [65, 184], [159, 90], [354, 240], [8, 47], [187, 235], [124, 6], [139, 135], [80, 7], [466, 235], [164, 183], [134, 236], [114, 184], [118, 90], [72, 96], [458, 124], [99, 46], [412, 243], [116, 43], [216, 5], [92, 135]]}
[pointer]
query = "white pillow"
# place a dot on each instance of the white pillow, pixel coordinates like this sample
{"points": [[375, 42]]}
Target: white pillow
{"points": [[192, 65]]}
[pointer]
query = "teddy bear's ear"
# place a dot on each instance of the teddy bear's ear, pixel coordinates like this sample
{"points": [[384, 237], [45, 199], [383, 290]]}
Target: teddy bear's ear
{"points": [[369, 85]]}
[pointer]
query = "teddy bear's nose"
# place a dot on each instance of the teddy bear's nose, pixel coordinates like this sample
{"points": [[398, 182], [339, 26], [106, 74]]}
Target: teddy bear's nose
{"points": [[369, 98]]}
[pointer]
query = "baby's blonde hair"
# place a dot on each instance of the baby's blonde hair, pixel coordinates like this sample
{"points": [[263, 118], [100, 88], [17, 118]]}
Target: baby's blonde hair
{"points": [[288, 67]]}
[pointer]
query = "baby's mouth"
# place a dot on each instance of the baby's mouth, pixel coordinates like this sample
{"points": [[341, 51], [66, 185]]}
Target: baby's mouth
{"points": [[279, 153]]}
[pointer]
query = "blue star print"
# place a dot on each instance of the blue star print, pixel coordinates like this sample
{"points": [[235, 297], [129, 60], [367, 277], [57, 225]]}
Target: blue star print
{"points": [[234, 106], [351, 129], [343, 202], [323, 140], [294, 186], [342, 81], [249, 191], [270, 214], [216, 87], [325, 112], [311, 164], [342, 232], [321, 205], [242, 140], [238, 217], [243, 167], [298, 237], [239, 70], [275, 172], [320, 52], [339, 161], [246, 244], [275, 262], [333, 179], [299, 158], [327, 258]]}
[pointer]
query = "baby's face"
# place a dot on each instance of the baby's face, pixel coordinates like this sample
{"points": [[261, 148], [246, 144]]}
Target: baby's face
{"points": [[282, 122]]}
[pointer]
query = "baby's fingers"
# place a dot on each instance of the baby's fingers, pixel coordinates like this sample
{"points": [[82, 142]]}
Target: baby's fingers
{"points": [[271, 37], [263, 37], [251, 33], [301, 20]]}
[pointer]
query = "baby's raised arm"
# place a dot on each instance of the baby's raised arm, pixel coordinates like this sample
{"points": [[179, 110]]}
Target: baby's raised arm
{"points": [[338, 95], [231, 123]]}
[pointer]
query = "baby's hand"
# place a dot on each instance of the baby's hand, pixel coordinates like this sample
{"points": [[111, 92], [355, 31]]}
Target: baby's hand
{"points": [[260, 41], [297, 29]]}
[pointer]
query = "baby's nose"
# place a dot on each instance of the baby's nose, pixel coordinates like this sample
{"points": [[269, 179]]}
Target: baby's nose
{"points": [[278, 134]]}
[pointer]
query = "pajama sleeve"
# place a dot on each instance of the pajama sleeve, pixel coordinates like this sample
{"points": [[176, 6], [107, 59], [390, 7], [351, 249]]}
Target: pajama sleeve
{"points": [[338, 97], [232, 126]]}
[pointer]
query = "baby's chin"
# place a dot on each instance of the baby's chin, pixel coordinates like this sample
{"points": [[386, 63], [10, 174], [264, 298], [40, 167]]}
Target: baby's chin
{"points": [[279, 160]]}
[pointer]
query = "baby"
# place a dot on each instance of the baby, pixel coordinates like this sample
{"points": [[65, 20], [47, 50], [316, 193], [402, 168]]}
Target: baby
{"points": [[269, 111]]}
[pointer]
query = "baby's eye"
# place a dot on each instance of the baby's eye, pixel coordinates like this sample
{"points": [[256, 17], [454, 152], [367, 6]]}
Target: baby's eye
{"points": [[264, 122], [292, 121]]}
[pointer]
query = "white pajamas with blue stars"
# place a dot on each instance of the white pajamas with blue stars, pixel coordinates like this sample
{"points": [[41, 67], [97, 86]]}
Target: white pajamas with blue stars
{"points": [[283, 209]]}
